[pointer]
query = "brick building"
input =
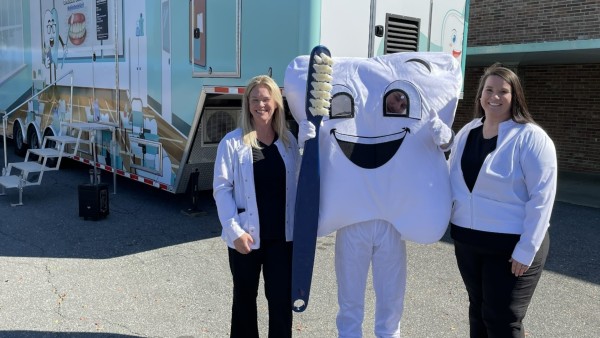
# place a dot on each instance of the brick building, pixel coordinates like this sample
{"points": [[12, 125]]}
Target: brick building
{"points": [[554, 47]]}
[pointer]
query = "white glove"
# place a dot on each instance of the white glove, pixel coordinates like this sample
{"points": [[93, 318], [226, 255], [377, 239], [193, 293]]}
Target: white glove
{"points": [[306, 131], [443, 136]]}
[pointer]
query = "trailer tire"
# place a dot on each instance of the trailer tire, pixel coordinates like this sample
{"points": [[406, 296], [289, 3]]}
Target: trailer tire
{"points": [[51, 161], [19, 141], [33, 142]]}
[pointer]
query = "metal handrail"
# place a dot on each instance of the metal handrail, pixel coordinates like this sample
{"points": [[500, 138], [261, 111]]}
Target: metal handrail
{"points": [[6, 115]]}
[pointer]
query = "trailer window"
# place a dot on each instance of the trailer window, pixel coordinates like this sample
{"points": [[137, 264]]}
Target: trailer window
{"points": [[11, 38]]}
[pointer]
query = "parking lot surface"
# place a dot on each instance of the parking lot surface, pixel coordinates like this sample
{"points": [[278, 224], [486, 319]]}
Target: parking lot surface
{"points": [[150, 270]]}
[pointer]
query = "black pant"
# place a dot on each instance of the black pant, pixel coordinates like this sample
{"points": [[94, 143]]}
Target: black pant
{"points": [[498, 300], [275, 259]]}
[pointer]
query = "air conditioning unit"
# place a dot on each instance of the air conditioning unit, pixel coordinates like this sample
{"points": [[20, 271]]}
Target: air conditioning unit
{"points": [[216, 122]]}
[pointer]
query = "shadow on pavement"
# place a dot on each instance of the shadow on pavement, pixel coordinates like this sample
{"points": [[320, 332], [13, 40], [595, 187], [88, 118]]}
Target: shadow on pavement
{"points": [[141, 218], [144, 218], [574, 236], [45, 334]]}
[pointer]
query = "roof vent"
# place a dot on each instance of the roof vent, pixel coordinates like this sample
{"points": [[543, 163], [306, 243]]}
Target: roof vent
{"points": [[401, 34]]}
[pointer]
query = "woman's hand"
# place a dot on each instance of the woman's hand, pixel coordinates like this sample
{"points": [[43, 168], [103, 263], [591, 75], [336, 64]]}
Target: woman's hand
{"points": [[243, 243], [518, 269]]}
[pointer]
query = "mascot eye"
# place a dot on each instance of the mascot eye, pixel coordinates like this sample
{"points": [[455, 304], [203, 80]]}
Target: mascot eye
{"points": [[396, 103], [342, 106]]}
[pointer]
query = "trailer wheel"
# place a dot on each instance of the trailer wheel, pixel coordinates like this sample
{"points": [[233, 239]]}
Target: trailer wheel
{"points": [[51, 161], [20, 145], [34, 143]]}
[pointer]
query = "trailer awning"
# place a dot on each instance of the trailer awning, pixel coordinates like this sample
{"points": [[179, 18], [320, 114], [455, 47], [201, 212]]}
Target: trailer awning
{"points": [[559, 52]]}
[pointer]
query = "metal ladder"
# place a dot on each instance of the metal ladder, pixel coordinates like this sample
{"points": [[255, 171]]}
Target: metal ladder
{"points": [[30, 172]]}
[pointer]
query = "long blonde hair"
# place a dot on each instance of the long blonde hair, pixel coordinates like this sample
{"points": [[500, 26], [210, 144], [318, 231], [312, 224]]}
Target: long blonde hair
{"points": [[279, 124]]}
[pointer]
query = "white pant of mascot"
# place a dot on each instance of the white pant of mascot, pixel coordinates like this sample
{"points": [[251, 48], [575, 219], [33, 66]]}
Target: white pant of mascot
{"points": [[383, 173]]}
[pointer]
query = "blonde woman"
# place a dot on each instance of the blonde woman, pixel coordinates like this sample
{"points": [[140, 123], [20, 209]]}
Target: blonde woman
{"points": [[254, 188]]}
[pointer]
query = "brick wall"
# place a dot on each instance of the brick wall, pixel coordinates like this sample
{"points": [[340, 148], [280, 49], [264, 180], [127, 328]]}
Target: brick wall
{"points": [[564, 100], [493, 22]]}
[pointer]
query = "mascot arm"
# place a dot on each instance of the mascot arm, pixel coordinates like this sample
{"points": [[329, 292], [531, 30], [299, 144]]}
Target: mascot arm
{"points": [[442, 135]]}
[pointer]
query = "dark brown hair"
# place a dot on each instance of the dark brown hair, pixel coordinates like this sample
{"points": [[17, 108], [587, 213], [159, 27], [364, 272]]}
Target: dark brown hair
{"points": [[518, 106]]}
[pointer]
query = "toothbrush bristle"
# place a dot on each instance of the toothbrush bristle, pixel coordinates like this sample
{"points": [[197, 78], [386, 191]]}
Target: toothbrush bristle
{"points": [[321, 85]]}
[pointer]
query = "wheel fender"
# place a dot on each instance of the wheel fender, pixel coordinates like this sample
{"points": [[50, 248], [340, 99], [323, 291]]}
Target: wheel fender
{"points": [[20, 123], [50, 131]]}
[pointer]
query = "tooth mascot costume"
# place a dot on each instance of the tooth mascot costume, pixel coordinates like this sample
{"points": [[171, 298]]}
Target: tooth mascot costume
{"points": [[384, 178]]}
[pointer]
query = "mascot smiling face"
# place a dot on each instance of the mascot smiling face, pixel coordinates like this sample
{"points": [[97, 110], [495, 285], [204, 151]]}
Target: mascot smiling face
{"points": [[378, 159]]}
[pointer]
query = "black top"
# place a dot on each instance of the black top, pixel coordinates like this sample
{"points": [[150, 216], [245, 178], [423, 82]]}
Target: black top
{"points": [[476, 150], [269, 183]]}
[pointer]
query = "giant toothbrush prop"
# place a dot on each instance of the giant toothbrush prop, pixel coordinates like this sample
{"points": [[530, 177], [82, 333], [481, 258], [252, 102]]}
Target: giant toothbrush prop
{"points": [[307, 198], [378, 160]]}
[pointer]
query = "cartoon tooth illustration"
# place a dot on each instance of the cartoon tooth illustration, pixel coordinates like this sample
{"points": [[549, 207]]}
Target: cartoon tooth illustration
{"points": [[452, 40], [51, 41], [51, 37]]}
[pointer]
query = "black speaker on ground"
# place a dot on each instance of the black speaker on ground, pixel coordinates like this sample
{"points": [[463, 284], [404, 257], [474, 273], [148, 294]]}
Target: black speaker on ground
{"points": [[93, 201]]}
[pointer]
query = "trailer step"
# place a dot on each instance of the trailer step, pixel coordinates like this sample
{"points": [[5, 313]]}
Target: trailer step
{"points": [[30, 167], [45, 152], [64, 139], [10, 181], [32, 172]]}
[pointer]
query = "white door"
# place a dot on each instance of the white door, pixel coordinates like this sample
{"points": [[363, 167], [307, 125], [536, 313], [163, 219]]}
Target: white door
{"points": [[166, 60], [139, 76]]}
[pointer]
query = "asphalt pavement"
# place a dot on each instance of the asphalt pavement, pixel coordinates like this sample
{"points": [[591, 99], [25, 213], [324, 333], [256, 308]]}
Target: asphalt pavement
{"points": [[150, 270]]}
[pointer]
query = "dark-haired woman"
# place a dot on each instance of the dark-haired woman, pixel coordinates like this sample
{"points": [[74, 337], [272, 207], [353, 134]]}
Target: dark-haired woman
{"points": [[503, 173]]}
